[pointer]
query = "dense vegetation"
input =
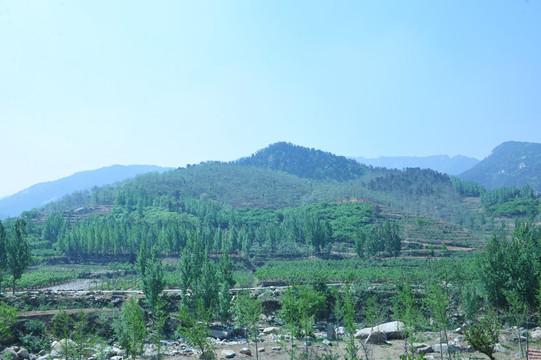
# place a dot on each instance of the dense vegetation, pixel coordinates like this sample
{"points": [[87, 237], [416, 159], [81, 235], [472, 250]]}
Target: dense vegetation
{"points": [[290, 216]]}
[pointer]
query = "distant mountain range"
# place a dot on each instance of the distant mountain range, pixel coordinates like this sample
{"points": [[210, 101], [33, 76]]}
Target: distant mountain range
{"points": [[442, 163], [510, 164], [46, 192]]}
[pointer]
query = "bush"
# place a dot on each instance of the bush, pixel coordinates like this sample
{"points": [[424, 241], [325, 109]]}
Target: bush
{"points": [[8, 317]]}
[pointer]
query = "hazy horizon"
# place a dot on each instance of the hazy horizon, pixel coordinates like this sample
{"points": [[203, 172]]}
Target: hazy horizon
{"points": [[89, 85]]}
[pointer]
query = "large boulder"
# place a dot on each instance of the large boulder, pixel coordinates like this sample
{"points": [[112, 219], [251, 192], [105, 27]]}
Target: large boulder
{"points": [[393, 330], [377, 338]]}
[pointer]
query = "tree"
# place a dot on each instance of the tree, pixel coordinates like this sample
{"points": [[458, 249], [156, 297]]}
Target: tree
{"points": [[348, 312], [130, 328], [8, 318], [151, 274], [194, 328], [300, 304], [438, 302], [511, 265], [406, 309], [18, 251], [3, 255], [247, 312], [159, 319], [483, 335]]}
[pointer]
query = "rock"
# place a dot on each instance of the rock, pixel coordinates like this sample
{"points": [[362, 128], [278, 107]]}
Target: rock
{"points": [[535, 335], [276, 348], [340, 331], [331, 332], [394, 330], [443, 348], [423, 348], [308, 343], [58, 346], [271, 330], [377, 338], [220, 334], [228, 354], [500, 349], [245, 351], [23, 353], [326, 342], [9, 353]]}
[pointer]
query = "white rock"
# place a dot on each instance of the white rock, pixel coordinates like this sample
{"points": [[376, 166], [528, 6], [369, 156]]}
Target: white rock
{"points": [[271, 330], [228, 354], [245, 351]]}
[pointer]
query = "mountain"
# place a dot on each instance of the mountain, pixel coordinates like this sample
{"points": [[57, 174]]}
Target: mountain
{"points": [[46, 192], [442, 163], [304, 162], [511, 164]]}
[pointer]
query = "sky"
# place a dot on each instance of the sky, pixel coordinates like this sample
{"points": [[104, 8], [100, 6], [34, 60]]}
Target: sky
{"points": [[87, 84]]}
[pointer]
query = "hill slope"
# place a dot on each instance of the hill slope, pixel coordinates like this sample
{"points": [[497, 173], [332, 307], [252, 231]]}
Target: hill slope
{"points": [[46, 192], [442, 163], [304, 162], [511, 164]]}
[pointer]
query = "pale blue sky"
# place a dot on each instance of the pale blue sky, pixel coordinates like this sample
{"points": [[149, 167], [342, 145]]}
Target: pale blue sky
{"points": [[86, 84]]}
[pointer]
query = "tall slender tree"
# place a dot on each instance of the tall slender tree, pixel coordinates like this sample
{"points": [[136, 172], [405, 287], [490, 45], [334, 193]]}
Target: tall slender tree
{"points": [[3, 255], [18, 251]]}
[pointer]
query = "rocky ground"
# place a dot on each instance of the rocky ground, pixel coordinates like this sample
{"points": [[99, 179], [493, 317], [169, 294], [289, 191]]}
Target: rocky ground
{"points": [[384, 341]]}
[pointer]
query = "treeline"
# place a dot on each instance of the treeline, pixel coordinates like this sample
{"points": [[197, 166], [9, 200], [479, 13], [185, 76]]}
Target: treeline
{"points": [[305, 163], [301, 230]]}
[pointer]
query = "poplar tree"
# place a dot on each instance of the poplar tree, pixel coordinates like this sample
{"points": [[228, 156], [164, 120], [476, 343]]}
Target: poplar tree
{"points": [[18, 251]]}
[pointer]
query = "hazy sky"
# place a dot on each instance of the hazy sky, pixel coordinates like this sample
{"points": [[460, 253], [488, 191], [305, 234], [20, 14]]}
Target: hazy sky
{"points": [[86, 84]]}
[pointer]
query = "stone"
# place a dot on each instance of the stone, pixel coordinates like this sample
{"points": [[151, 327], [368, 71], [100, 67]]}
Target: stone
{"points": [[261, 349], [245, 351], [500, 349], [340, 331], [271, 330], [9, 353], [326, 342], [220, 334], [228, 354], [424, 349], [394, 330], [443, 348], [377, 338], [276, 348], [23, 353], [331, 332], [535, 335], [58, 346]]}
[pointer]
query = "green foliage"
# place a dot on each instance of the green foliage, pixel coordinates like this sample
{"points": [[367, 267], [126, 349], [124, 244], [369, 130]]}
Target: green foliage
{"points": [[130, 328], [408, 311], [304, 162], [247, 311], [159, 320], [300, 304], [348, 313], [151, 275], [18, 251], [483, 334], [467, 187], [194, 328], [3, 255], [511, 265], [34, 337], [8, 318]]}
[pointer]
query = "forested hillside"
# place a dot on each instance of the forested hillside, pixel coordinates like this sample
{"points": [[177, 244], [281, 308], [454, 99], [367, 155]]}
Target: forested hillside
{"points": [[511, 164], [46, 192]]}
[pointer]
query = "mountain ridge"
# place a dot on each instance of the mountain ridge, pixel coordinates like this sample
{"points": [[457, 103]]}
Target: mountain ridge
{"points": [[510, 164], [443, 163], [45, 192]]}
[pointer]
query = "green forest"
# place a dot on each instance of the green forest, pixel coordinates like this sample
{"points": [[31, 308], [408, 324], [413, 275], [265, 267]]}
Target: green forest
{"points": [[353, 245]]}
